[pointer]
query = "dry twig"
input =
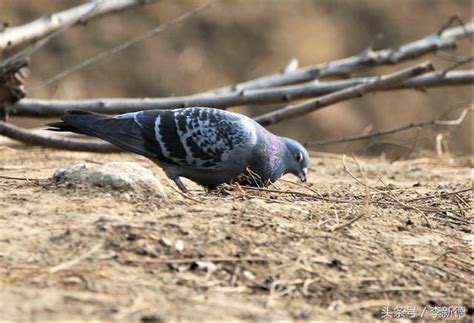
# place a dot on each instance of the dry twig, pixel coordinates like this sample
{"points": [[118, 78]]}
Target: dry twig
{"points": [[366, 209], [191, 260], [66, 265], [431, 123]]}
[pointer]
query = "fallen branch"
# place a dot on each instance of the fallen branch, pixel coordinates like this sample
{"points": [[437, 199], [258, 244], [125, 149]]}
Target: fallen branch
{"points": [[296, 110], [39, 28], [56, 108], [431, 123], [26, 137], [445, 39], [197, 260]]}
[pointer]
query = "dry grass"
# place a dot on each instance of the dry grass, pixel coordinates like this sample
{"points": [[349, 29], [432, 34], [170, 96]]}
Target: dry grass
{"points": [[362, 234]]}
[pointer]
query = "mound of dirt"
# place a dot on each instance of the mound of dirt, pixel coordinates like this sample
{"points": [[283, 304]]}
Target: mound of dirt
{"points": [[120, 176]]}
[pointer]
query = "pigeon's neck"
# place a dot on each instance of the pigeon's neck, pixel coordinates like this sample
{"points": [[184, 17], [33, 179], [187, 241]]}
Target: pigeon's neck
{"points": [[275, 151]]}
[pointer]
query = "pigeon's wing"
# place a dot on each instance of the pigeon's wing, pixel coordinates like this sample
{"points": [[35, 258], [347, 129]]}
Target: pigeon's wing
{"points": [[201, 138]]}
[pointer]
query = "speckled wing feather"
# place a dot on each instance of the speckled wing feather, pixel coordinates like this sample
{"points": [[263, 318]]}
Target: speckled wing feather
{"points": [[200, 138]]}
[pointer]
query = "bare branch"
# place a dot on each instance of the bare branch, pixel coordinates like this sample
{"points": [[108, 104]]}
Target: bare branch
{"points": [[56, 108], [94, 59], [39, 28], [439, 78], [292, 111], [29, 138], [429, 44], [431, 123]]}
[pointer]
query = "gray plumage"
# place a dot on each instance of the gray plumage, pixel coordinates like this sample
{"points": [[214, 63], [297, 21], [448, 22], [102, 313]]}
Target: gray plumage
{"points": [[206, 145]]}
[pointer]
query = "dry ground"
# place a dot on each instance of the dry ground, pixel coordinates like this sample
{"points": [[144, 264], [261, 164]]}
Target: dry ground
{"points": [[84, 253]]}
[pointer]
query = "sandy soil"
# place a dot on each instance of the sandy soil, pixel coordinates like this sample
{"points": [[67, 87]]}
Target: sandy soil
{"points": [[338, 249]]}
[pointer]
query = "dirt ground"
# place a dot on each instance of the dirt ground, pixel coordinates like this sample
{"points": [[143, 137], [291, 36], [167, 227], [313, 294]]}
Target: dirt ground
{"points": [[350, 245]]}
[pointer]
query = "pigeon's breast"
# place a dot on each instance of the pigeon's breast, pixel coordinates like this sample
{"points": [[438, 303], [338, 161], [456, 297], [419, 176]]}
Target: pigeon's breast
{"points": [[267, 157]]}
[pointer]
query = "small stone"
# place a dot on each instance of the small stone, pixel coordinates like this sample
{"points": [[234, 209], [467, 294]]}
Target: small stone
{"points": [[179, 245], [70, 174]]}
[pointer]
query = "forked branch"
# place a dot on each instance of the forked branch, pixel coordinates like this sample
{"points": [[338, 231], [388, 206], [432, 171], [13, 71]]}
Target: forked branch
{"points": [[56, 108], [292, 111], [446, 39]]}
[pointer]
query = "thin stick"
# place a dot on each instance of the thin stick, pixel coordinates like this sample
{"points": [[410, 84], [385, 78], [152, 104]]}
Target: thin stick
{"points": [[348, 223], [452, 217], [66, 265], [463, 61], [367, 199], [431, 123], [262, 189], [21, 178], [191, 260]]}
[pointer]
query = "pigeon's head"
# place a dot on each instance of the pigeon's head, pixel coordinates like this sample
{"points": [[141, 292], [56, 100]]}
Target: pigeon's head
{"points": [[296, 159]]}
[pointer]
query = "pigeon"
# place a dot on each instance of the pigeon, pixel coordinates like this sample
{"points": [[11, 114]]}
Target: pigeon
{"points": [[208, 146]]}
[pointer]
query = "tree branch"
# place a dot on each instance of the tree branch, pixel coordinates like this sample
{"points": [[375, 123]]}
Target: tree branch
{"points": [[56, 108], [296, 110], [39, 28], [431, 123], [447, 39], [29, 138]]}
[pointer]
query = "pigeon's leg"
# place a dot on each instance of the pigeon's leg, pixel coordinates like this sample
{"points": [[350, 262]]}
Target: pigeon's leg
{"points": [[180, 185]]}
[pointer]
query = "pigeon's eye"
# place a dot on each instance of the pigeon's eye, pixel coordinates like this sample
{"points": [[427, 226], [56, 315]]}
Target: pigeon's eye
{"points": [[298, 156]]}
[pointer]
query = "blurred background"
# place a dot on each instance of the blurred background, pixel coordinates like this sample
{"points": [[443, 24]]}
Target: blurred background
{"points": [[238, 40]]}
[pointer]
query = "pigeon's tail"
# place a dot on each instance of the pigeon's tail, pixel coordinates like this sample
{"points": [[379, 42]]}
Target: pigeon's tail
{"points": [[75, 121], [124, 133]]}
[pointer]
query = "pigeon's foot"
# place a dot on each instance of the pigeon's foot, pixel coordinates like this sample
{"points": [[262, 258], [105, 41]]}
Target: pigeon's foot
{"points": [[180, 185]]}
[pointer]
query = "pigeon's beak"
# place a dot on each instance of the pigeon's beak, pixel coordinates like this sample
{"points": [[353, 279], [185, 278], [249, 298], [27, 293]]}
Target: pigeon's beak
{"points": [[303, 175]]}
